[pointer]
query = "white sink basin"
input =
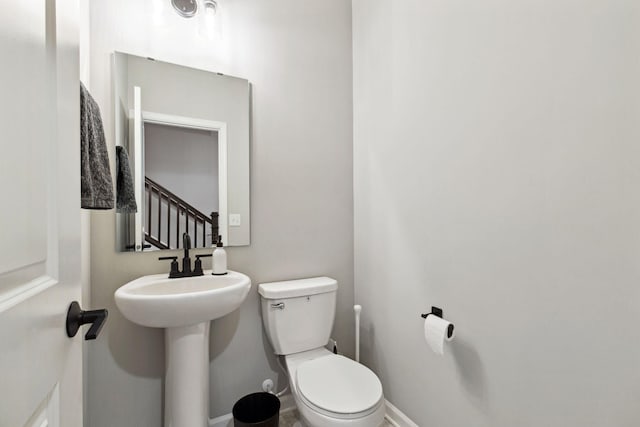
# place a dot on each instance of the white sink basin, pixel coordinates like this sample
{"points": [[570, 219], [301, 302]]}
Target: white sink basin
{"points": [[159, 302], [185, 308]]}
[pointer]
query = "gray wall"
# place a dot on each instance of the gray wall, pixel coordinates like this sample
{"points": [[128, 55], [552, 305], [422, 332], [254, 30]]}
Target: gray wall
{"points": [[497, 175], [297, 55]]}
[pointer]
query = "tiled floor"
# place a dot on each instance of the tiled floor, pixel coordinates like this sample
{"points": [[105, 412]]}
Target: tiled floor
{"points": [[290, 419]]}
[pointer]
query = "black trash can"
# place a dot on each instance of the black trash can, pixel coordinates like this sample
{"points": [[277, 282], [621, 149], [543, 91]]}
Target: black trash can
{"points": [[257, 410]]}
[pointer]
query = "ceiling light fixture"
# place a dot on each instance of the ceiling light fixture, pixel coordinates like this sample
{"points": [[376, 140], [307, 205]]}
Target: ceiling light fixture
{"points": [[208, 25], [210, 7], [185, 8]]}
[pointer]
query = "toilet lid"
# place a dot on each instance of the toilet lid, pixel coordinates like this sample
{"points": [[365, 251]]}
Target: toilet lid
{"points": [[339, 385]]}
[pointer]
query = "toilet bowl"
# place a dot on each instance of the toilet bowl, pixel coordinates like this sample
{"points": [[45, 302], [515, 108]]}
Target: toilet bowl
{"points": [[330, 390]]}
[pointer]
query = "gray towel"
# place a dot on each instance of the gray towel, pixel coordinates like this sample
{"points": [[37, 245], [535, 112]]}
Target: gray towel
{"points": [[96, 186], [125, 194]]}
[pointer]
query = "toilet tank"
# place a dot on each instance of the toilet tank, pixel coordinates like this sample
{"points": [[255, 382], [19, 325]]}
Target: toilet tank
{"points": [[298, 314]]}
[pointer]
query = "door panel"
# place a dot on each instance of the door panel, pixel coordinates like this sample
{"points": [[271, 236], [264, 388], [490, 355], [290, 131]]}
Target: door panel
{"points": [[26, 45], [48, 415], [40, 367]]}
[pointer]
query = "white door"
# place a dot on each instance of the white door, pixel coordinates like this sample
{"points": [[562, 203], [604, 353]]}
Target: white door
{"points": [[40, 367]]}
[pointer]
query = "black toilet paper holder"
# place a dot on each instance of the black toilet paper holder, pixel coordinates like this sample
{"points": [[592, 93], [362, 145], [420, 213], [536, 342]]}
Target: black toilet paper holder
{"points": [[436, 311]]}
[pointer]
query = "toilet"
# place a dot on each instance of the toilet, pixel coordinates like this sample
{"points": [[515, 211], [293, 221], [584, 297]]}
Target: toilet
{"points": [[330, 390]]}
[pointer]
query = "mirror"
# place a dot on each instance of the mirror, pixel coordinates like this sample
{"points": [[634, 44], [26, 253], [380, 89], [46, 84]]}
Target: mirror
{"points": [[182, 155]]}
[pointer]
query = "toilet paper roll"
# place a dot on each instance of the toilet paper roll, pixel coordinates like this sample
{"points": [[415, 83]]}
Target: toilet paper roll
{"points": [[436, 332]]}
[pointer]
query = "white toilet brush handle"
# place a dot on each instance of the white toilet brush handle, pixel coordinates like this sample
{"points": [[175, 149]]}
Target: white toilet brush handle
{"points": [[357, 309]]}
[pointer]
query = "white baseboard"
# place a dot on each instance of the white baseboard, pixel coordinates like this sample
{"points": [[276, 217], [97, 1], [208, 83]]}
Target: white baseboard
{"points": [[287, 404], [394, 416], [397, 418]]}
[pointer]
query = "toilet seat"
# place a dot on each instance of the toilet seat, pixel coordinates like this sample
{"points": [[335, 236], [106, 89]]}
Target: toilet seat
{"points": [[338, 387]]}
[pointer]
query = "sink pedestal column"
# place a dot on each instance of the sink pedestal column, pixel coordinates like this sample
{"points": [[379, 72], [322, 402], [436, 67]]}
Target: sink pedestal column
{"points": [[187, 376]]}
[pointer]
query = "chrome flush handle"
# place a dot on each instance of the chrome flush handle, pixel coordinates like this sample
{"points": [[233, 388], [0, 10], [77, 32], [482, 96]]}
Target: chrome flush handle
{"points": [[278, 306]]}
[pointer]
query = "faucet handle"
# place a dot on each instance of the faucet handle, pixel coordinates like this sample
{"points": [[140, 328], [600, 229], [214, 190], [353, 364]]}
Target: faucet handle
{"points": [[175, 272], [197, 270]]}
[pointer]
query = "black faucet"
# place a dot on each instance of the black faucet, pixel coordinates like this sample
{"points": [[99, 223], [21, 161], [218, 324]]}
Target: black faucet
{"points": [[215, 228], [186, 261]]}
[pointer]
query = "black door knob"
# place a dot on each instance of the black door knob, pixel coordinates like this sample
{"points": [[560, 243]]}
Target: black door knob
{"points": [[77, 317]]}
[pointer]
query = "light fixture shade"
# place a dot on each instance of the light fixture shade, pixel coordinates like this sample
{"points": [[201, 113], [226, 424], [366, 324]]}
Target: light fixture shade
{"points": [[185, 8], [208, 20], [158, 14], [210, 7]]}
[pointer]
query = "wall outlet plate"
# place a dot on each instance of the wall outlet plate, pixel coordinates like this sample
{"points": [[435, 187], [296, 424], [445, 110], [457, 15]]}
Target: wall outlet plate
{"points": [[235, 220]]}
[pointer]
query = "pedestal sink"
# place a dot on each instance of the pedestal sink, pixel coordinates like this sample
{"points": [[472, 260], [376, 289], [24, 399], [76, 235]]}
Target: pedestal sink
{"points": [[185, 308]]}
